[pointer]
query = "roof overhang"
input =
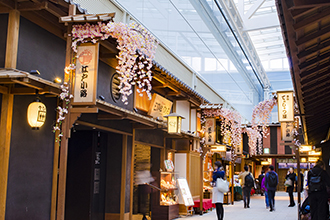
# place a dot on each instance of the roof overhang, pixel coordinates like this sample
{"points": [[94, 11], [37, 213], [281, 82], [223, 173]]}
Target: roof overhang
{"points": [[306, 32], [18, 82]]}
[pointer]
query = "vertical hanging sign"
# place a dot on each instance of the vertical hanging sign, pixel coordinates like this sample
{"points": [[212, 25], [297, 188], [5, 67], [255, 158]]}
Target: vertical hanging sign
{"points": [[86, 74], [239, 148], [286, 131], [285, 106], [210, 131]]}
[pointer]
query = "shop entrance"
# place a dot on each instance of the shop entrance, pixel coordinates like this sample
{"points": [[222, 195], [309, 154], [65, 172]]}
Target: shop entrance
{"points": [[85, 188]]}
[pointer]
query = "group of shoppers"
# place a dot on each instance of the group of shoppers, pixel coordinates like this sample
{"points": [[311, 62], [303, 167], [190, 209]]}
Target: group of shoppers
{"points": [[317, 180]]}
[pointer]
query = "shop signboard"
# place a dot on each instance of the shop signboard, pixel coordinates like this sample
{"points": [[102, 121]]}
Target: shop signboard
{"points": [[286, 131], [159, 106], [210, 131], [85, 80], [185, 193], [285, 106]]}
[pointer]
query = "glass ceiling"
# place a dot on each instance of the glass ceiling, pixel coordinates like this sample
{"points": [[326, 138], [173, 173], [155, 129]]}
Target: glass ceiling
{"points": [[198, 32]]}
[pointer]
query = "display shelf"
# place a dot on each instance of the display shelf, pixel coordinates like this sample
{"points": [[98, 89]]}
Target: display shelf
{"points": [[168, 185]]}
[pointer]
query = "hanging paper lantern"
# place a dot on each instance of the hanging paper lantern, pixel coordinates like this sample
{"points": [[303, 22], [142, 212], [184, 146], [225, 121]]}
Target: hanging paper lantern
{"points": [[36, 114]]}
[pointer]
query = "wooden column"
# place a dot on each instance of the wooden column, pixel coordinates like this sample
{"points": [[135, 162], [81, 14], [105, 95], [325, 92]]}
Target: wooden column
{"points": [[66, 127], [232, 181], [123, 177], [7, 109], [132, 178], [201, 186]]}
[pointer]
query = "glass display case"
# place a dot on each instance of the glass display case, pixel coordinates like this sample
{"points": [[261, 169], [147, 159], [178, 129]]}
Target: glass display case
{"points": [[169, 189]]}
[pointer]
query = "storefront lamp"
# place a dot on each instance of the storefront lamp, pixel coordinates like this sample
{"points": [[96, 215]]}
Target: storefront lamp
{"points": [[36, 114], [174, 122], [267, 162], [303, 160], [314, 153], [218, 148], [305, 148], [313, 159]]}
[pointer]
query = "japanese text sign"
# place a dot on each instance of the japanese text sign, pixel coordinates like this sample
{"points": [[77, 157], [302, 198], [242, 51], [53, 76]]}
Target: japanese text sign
{"points": [[86, 74], [159, 106], [285, 106], [286, 131], [210, 131]]}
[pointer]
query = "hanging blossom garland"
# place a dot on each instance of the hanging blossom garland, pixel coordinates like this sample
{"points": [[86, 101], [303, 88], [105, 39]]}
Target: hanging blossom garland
{"points": [[261, 113], [137, 48], [255, 140], [66, 97], [230, 126]]}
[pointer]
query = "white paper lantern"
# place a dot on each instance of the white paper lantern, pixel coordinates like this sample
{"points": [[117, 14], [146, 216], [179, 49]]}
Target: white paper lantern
{"points": [[36, 114]]}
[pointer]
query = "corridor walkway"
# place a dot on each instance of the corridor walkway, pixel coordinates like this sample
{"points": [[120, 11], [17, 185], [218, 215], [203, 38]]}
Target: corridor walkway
{"points": [[257, 211]]}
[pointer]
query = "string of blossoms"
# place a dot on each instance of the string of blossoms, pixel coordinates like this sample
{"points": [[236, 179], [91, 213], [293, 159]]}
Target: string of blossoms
{"points": [[137, 48], [230, 126], [260, 115], [65, 96]]}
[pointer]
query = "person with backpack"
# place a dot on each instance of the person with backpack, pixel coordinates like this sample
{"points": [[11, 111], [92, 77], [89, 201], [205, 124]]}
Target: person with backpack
{"points": [[318, 180], [247, 183], [290, 180], [271, 181], [260, 178]]}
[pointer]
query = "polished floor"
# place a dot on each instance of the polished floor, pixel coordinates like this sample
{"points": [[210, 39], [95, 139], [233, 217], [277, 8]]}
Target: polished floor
{"points": [[257, 211]]}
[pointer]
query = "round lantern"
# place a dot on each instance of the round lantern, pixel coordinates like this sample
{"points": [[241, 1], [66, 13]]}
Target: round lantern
{"points": [[36, 114]]}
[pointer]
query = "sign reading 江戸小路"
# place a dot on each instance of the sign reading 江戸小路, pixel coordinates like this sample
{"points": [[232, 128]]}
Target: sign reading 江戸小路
{"points": [[86, 74], [159, 106]]}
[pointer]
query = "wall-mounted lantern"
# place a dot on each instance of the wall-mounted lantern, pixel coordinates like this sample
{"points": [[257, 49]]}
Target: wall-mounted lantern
{"points": [[174, 122], [305, 148], [36, 114], [218, 148]]}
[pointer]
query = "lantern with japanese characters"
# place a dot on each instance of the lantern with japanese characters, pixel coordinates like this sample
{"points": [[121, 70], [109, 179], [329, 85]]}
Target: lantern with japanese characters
{"points": [[36, 114]]}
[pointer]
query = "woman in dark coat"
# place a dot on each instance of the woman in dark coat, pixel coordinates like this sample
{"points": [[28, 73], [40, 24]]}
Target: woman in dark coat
{"points": [[292, 176]]}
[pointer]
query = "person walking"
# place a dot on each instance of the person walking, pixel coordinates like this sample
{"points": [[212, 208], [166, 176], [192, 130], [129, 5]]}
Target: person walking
{"points": [[247, 183], [264, 189], [318, 180], [271, 181], [217, 196], [260, 178], [290, 180]]}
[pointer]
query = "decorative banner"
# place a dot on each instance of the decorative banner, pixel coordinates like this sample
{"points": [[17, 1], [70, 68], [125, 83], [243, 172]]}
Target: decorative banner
{"points": [[159, 106], [210, 131], [239, 148], [185, 192], [286, 131], [86, 74], [285, 106]]}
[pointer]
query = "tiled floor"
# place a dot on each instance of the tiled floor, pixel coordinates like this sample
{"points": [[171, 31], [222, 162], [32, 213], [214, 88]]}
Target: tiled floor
{"points": [[257, 211]]}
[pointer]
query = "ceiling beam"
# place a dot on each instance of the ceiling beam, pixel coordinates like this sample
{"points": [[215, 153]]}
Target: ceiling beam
{"points": [[316, 77], [31, 6], [316, 35], [316, 85], [314, 69], [4, 89], [311, 19], [313, 49], [315, 60], [300, 12], [8, 3], [300, 4]]}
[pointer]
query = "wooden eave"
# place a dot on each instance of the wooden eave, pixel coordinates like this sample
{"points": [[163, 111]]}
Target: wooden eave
{"points": [[18, 82], [306, 32]]}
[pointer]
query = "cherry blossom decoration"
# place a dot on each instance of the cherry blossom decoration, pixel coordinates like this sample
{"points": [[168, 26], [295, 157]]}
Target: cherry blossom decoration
{"points": [[230, 126], [137, 48]]}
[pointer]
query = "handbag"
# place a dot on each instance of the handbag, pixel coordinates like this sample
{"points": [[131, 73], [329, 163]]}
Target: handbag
{"points": [[288, 182], [222, 185]]}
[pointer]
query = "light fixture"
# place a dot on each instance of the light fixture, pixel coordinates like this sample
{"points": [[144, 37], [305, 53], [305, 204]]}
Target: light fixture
{"points": [[314, 153], [303, 160], [35, 72], [267, 162], [57, 80], [174, 122], [36, 114], [313, 159], [218, 148], [305, 148], [266, 150]]}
